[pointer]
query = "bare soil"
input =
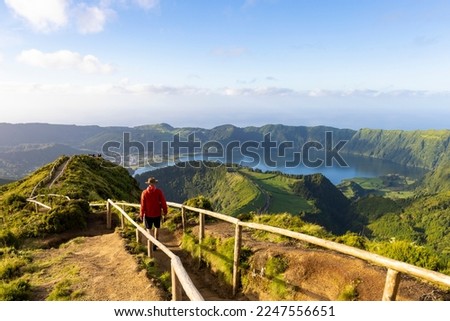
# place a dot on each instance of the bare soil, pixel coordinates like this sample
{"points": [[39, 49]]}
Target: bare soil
{"points": [[319, 275], [105, 271], [99, 267]]}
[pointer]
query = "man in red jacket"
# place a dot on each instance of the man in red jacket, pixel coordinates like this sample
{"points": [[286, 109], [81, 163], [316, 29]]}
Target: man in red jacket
{"points": [[153, 203]]}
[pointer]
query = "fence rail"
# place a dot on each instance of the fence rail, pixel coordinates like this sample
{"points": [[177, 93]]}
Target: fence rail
{"points": [[182, 281], [394, 267], [180, 278]]}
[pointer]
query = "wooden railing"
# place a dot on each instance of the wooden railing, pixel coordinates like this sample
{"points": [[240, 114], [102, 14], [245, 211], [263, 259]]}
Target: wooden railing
{"points": [[37, 204], [394, 267], [40, 204], [180, 278]]}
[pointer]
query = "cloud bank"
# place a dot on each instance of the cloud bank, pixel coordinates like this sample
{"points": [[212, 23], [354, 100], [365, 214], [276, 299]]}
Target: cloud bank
{"points": [[64, 59], [51, 15]]}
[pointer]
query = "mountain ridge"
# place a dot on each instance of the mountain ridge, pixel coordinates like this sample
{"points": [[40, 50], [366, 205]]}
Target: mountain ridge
{"points": [[419, 148]]}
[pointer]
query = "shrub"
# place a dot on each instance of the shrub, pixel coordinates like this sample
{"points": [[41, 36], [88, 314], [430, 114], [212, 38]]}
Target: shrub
{"points": [[11, 267], [275, 266], [8, 238], [199, 202], [65, 216], [408, 252], [349, 292], [353, 239], [15, 202], [18, 290], [63, 292]]}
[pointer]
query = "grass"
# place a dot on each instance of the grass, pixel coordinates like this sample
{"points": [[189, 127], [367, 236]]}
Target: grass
{"points": [[63, 291], [376, 186], [274, 268], [17, 290], [237, 194], [218, 255], [349, 292], [282, 198]]}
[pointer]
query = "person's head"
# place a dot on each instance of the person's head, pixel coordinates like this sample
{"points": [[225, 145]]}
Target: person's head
{"points": [[151, 181]]}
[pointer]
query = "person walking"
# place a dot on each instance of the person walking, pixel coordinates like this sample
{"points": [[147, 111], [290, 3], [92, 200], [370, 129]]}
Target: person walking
{"points": [[153, 203]]}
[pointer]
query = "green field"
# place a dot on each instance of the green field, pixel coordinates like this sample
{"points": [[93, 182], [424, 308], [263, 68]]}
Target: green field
{"points": [[381, 186], [278, 188]]}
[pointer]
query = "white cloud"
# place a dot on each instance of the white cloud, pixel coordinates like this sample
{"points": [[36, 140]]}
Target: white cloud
{"points": [[42, 15], [51, 15], [64, 59], [131, 103], [92, 19]]}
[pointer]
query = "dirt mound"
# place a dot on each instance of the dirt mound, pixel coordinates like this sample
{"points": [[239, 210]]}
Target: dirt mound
{"points": [[312, 273]]}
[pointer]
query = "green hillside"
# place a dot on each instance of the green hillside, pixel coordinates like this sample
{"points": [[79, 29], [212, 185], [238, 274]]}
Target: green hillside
{"points": [[85, 179], [93, 178], [228, 189], [414, 230], [437, 180], [238, 190], [23, 231], [424, 221], [421, 148]]}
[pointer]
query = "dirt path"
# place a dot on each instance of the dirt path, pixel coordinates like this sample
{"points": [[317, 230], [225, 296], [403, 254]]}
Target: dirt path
{"points": [[58, 172], [98, 268], [204, 280]]}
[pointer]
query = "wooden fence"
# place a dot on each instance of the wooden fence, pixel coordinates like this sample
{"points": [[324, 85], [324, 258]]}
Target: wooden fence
{"points": [[40, 204], [180, 278], [394, 267]]}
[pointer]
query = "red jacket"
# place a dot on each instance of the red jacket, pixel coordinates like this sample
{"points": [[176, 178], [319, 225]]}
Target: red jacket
{"points": [[152, 202]]}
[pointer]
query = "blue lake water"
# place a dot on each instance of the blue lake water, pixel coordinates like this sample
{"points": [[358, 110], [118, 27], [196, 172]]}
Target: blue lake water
{"points": [[357, 167]]}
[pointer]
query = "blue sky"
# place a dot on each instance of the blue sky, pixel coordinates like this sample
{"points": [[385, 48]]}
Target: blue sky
{"points": [[344, 63]]}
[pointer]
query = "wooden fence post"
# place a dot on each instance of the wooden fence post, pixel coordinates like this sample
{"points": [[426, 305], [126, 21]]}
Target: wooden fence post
{"points": [[237, 255], [201, 228], [183, 218], [149, 248], [391, 285], [177, 294], [137, 236], [122, 221], [201, 234], [108, 215]]}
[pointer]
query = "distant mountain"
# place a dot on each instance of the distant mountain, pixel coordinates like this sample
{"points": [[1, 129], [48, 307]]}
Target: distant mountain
{"points": [[20, 160], [421, 148], [39, 133]]}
